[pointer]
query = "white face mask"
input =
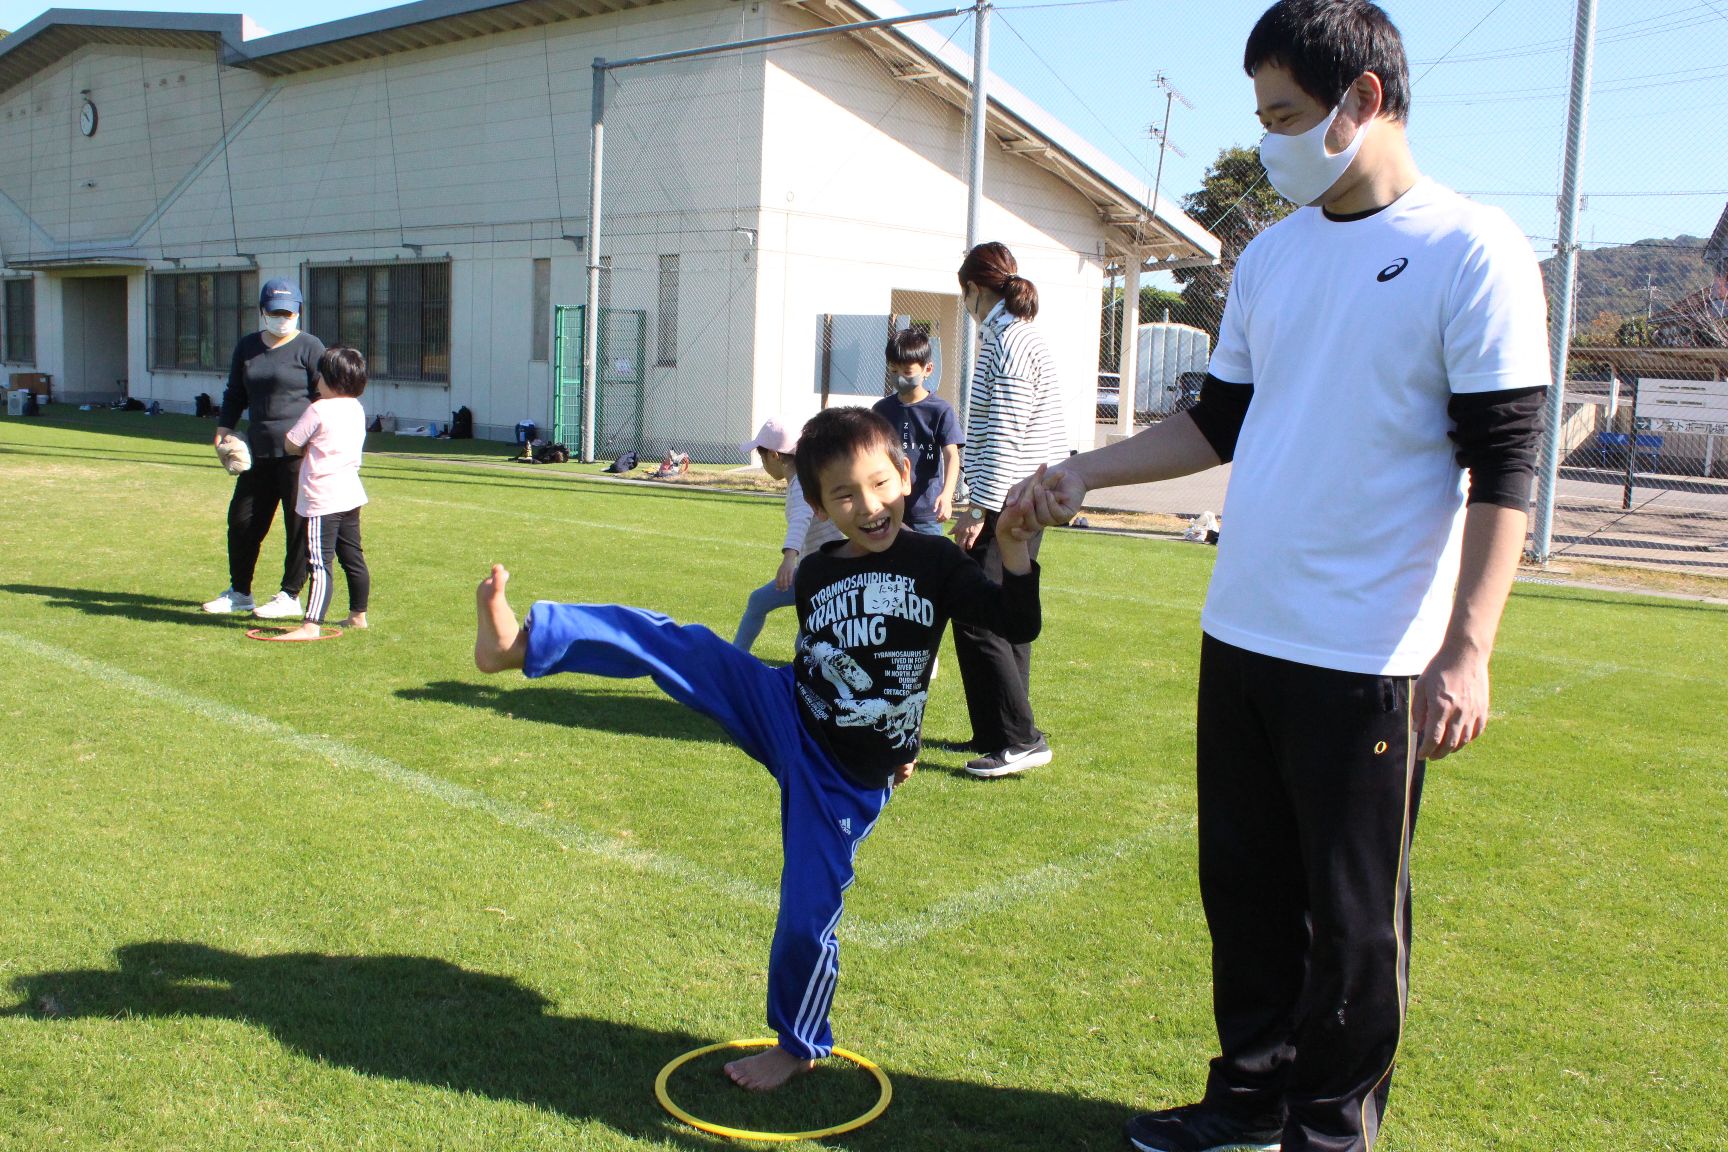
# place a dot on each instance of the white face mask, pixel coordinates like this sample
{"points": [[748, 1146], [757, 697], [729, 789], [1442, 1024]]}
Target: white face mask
{"points": [[280, 325], [1299, 166]]}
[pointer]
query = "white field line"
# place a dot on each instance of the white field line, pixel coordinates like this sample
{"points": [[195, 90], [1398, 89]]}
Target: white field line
{"points": [[343, 755], [1040, 882], [1529, 700]]}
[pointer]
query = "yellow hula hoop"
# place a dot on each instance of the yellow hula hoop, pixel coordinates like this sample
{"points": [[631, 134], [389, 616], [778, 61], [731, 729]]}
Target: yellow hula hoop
{"points": [[876, 1110]]}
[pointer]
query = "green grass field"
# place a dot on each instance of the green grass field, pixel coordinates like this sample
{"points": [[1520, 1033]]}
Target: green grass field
{"points": [[355, 895]]}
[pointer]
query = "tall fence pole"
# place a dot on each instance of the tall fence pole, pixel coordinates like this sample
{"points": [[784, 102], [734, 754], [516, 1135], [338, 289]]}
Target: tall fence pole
{"points": [[1128, 360], [975, 183], [1560, 307], [591, 314]]}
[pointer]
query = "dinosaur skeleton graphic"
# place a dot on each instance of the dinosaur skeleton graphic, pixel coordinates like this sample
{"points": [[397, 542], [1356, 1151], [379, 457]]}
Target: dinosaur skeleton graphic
{"points": [[899, 722]]}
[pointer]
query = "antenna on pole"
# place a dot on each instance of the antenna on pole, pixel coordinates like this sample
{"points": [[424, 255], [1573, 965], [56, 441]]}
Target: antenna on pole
{"points": [[1162, 134]]}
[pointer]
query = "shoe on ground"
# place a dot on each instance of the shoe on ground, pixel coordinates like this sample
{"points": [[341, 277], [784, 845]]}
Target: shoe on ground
{"points": [[279, 607], [230, 601], [1015, 758], [1197, 1128]]}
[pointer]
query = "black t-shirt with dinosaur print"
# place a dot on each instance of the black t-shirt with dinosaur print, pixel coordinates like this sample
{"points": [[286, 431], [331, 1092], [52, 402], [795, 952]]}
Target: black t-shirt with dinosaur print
{"points": [[868, 630]]}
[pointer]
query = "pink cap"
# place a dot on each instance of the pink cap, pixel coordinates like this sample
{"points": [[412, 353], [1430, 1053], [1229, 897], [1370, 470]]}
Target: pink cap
{"points": [[775, 436]]}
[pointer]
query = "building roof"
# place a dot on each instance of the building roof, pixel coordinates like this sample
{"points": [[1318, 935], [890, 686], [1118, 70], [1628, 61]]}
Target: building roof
{"points": [[1716, 248], [59, 32], [1160, 234], [1666, 362]]}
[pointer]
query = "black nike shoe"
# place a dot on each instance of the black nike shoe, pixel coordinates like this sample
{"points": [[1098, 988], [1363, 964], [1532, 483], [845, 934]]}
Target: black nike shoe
{"points": [[1197, 1128], [1010, 760]]}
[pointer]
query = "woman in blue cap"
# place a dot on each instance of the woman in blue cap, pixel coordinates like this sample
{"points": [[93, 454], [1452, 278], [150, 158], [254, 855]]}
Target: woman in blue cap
{"points": [[270, 379]]}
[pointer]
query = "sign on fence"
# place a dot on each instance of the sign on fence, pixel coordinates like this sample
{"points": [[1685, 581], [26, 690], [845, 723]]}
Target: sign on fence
{"points": [[1683, 406]]}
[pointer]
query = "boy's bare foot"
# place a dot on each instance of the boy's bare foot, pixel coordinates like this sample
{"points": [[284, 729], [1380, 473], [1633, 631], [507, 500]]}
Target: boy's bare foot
{"points": [[355, 620], [768, 1070], [498, 639], [306, 631]]}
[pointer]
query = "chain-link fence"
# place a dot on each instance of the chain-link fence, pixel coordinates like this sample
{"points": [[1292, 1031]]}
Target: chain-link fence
{"points": [[1642, 454]]}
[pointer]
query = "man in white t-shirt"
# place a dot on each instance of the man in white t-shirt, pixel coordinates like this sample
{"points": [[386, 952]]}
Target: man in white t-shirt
{"points": [[1378, 382]]}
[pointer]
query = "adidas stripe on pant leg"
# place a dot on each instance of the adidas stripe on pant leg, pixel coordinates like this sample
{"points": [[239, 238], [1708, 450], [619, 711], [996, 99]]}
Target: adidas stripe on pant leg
{"points": [[824, 816]]}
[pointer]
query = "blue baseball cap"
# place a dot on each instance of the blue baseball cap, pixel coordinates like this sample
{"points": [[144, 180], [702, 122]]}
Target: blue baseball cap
{"points": [[279, 295]]}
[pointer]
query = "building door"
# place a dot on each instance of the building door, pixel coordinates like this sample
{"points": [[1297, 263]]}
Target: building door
{"points": [[618, 428], [938, 313], [94, 322]]}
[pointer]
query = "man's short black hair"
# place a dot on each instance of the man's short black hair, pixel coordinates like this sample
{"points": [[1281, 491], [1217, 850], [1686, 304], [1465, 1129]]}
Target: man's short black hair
{"points": [[909, 346], [1326, 45], [839, 434]]}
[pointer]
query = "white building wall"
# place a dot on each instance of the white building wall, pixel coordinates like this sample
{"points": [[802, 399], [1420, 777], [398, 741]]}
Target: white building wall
{"points": [[790, 183], [864, 193]]}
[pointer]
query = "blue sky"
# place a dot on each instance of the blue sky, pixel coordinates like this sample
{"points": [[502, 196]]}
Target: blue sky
{"points": [[1489, 102]]}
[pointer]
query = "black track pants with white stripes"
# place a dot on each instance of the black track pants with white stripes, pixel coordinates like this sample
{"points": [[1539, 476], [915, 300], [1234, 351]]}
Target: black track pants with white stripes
{"points": [[336, 534], [1308, 790]]}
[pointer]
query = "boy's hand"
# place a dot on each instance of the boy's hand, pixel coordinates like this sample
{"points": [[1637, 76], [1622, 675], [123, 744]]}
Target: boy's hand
{"points": [[1054, 495], [1019, 521], [788, 565], [904, 773], [944, 508]]}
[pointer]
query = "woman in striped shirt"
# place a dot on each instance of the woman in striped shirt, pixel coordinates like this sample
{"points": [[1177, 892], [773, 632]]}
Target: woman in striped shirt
{"points": [[1014, 423]]}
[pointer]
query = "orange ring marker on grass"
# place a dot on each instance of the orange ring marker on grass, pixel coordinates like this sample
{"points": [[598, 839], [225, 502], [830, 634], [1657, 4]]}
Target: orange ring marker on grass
{"points": [[852, 1125], [325, 632]]}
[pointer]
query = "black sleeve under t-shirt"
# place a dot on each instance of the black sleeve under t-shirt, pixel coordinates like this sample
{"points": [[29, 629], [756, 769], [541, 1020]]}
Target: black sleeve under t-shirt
{"points": [[272, 386], [1497, 434], [868, 629]]}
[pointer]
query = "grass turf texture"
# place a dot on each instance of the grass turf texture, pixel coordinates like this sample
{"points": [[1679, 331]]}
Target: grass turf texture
{"points": [[355, 895]]}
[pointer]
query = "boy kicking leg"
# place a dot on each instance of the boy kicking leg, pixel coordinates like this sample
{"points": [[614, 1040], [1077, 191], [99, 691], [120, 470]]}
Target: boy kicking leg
{"points": [[825, 815]]}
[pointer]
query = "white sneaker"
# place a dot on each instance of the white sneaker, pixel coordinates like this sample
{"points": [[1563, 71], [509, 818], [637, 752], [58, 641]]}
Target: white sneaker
{"points": [[229, 601], [278, 607]]}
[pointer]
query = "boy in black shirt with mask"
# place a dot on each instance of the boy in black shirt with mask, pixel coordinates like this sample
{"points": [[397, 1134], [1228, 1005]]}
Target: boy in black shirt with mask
{"points": [[840, 726]]}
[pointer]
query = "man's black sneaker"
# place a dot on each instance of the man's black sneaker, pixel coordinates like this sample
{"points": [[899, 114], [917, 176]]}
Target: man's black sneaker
{"points": [[1197, 1128], [1016, 758]]}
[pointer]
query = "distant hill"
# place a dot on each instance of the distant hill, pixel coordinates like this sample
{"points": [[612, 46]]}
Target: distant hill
{"points": [[1620, 280]]}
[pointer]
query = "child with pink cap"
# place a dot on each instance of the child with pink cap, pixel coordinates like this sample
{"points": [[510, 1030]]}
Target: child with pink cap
{"points": [[776, 443]]}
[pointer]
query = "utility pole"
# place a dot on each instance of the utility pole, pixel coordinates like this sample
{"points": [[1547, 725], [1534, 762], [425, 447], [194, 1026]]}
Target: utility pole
{"points": [[1560, 323], [1162, 135], [978, 118]]}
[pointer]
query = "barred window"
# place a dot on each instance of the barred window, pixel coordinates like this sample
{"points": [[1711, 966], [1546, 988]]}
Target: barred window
{"points": [[198, 317], [397, 315], [18, 321], [666, 327]]}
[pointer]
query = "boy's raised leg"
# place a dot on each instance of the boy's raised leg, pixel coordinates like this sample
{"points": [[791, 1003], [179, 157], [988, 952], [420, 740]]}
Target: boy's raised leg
{"points": [[499, 642], [767, 1070]]}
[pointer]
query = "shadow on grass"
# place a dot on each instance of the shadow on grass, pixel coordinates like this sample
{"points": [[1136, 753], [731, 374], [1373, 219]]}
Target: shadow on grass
{"points": [[426, 1021], [621, 712], [131, 605], [107, 455]]}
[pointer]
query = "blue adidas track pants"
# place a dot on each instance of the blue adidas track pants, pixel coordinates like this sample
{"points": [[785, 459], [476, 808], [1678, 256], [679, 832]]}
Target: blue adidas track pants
{"points": [[824, 816]]}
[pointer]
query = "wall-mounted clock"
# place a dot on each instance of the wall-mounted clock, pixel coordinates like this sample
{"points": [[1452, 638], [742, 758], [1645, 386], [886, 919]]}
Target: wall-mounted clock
{"points": [[87, 119]]}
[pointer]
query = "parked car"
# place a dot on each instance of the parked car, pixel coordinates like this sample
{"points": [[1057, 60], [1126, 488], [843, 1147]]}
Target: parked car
{"points": [[1109, 390]]}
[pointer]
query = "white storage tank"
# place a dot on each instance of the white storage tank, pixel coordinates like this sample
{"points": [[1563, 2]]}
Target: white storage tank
{"points": [[1167, 351]]}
